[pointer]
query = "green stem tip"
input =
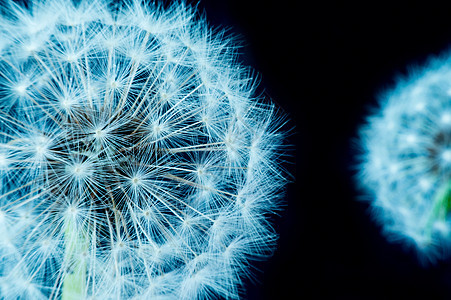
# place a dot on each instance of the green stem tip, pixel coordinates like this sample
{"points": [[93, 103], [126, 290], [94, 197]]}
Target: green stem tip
{"points": [[74, 284]]}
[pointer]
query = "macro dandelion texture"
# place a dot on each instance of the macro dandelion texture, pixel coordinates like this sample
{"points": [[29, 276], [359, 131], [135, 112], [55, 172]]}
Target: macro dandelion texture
{"points": [[137, 159]]}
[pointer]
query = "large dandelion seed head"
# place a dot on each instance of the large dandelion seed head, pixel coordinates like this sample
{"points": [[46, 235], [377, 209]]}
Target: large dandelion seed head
{"points": [[136, 159], [406, 164]]}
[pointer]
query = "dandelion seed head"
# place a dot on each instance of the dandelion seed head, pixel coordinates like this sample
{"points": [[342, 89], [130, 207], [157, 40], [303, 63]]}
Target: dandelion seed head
{"points": [[406, 160], [137, 158]]}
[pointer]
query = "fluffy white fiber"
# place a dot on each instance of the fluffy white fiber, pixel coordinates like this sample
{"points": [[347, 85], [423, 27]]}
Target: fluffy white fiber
{"points": [[136, 160], [406, 162]]}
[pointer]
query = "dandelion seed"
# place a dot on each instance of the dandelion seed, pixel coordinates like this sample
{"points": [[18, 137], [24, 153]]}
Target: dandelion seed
{"points": [[136, 159]]}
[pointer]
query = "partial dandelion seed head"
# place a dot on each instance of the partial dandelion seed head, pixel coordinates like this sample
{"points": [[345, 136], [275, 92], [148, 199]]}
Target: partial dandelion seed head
{"points": [[128, 135], [406, 161]]}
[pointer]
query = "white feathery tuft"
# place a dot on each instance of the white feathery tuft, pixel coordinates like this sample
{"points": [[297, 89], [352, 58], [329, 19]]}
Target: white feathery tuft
{"points": [[136, 160]]}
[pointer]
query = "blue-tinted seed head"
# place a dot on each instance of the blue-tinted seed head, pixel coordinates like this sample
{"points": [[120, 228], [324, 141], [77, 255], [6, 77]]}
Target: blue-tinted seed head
{"points": [[136, 160]]}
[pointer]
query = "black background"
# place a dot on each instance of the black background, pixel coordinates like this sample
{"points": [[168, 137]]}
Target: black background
{"points": [[325, 63]]}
